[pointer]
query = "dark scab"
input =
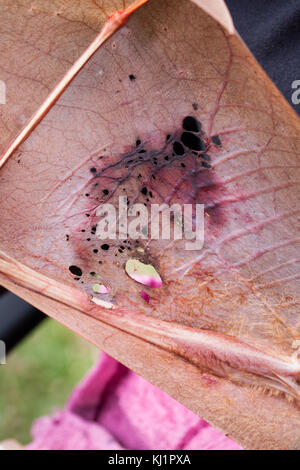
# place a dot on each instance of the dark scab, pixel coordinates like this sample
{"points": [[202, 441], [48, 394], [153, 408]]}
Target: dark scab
{"points": [[132, 77], [105, 247], [178, 148], [144, 191], [216, 140], [206, 165], [93, 170], [192, 141], [195, 106], [138, 142], [191, 124], [95, 250], [75, 270], [105, 191]]}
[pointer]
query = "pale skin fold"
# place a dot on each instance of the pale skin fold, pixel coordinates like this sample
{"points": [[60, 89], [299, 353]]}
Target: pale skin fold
{"points": [[222, 333]]}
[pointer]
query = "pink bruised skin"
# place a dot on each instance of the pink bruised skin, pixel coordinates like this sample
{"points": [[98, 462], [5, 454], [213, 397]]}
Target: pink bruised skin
{"points": [[178, 172], [145, 296], [108, 133], [196, 320]]}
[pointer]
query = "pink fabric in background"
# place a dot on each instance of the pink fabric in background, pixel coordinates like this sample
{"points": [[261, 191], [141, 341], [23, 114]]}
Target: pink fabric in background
{"points": [[114, 408]]}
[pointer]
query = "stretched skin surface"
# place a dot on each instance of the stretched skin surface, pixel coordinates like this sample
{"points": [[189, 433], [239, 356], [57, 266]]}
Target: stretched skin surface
{"points": [[40, 41], [113, 132]]}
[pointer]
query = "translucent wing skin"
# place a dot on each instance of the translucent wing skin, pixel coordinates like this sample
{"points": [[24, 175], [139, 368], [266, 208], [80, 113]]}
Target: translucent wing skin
{"points": [[221, 333]]}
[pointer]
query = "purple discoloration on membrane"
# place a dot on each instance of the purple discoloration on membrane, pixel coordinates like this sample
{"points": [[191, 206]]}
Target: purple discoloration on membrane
{"points": [[178, 171], [145, 296]]}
